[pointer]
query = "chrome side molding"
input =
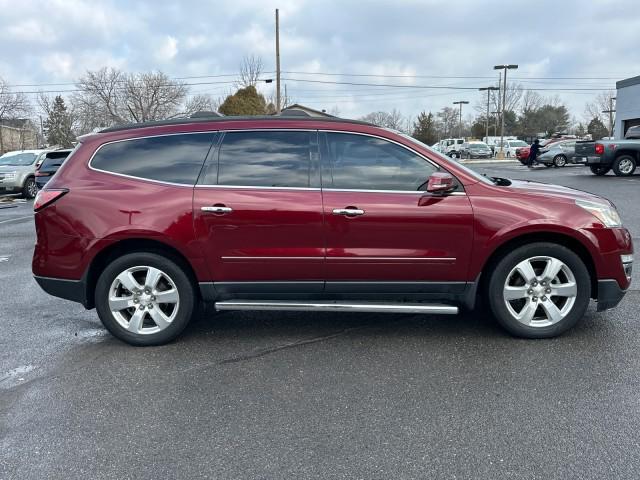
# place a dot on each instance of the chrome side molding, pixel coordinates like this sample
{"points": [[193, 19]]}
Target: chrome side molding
{"points": [[337, 306]]}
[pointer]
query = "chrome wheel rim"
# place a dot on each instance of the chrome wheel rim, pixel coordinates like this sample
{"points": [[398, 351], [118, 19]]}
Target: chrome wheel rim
{"points": [[32, 188], [560, 161], [143, 300], [540, 291], [625, 166]]}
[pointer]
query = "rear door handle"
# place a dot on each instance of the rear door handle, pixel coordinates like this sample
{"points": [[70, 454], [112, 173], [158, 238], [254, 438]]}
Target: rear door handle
{"points": [[348, 212], [221, 209]]}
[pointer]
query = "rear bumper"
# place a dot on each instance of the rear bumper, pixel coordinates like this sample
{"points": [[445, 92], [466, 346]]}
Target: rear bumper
{"points": [[609, 294], [595, 160], [74, 290]]}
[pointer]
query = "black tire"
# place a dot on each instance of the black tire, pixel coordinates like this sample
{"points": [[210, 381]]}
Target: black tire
{"points": [[599, 170], [504, 267], [29, 189], [184, 286], [624, 166], [559, 161]]}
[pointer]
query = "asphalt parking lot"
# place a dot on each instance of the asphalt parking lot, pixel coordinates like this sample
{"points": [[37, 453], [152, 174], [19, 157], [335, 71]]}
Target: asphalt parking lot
{"points": [[285, 395]]}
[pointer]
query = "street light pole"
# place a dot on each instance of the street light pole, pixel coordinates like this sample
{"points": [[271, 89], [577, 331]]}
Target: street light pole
{"points": [[489, 90], [495, 125], [461, 102], [504, 100]]}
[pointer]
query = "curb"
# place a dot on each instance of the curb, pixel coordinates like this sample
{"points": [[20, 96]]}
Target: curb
{"points": [[491, 160]]}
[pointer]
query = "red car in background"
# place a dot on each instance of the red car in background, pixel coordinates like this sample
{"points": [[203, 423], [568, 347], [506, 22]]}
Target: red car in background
{"points": [[145, 221]]}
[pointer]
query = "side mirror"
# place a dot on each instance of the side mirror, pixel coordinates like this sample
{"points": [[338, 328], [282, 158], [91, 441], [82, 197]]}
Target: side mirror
{"points": [[441, 182]]}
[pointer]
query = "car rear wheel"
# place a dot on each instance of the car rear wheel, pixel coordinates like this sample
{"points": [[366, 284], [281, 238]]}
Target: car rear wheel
{"points": [[599, 170], [29, 189], [559, 161], [624, 166], [539, 290], [144, 299]]}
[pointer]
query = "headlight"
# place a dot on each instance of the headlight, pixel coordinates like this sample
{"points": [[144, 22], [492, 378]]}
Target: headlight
{"points": [[605, 213]]}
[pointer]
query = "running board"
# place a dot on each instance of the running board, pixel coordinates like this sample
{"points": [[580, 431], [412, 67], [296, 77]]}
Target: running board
{"points": [[327, 306]]}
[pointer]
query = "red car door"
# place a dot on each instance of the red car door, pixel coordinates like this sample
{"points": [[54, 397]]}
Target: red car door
{"points": [[383, 230], [258, 213]]}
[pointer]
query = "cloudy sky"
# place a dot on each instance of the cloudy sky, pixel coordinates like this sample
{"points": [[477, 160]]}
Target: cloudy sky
{"points": [[329, 45]]}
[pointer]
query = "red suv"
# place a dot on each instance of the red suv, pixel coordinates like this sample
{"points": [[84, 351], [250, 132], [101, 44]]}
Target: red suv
{"points": [[143, 222]]}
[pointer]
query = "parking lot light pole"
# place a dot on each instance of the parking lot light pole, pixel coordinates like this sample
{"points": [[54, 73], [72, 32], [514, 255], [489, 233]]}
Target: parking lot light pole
{"points": [[489, 90], [504, 99], [461, 102]]}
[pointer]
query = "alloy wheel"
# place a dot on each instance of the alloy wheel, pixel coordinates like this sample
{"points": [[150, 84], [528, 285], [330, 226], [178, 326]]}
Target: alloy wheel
{"points": [[540, 291], [625, 166], [143, 300]]}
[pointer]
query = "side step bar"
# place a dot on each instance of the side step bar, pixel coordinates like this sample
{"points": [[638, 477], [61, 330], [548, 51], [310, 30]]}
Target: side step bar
{"points": [[337, 306]]}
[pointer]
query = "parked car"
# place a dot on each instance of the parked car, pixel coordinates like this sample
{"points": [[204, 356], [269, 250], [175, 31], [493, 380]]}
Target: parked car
{"points": [[558, 154], [510, 147], [17, 172], [522, 154], [475, 150], [145, 221], [50, 164], [451, 147]]}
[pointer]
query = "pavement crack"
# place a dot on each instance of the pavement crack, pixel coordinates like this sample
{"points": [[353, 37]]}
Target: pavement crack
{"points": [[267, 351]]}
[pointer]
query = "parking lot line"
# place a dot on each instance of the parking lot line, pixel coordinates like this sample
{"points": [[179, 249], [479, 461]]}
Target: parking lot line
{"points": [[15, 219]]}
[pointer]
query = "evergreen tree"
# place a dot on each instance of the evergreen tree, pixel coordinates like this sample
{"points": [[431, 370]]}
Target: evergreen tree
{"points": [[597, 129], [246, 101], [424, 129], [57, 126]]}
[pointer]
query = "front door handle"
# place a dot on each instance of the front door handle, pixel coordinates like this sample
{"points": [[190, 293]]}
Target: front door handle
{"points": [[220, 209], [348, 211]]}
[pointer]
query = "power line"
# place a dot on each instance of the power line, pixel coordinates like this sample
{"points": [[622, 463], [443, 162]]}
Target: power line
{"points": [[445, 87]]}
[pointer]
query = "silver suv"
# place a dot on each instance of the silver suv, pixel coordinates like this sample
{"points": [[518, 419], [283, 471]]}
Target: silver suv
{"points": [[18, 170]]}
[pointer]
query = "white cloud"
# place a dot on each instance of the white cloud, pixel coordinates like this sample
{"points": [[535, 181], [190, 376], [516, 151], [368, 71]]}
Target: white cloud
{"points": [[168, 49]]}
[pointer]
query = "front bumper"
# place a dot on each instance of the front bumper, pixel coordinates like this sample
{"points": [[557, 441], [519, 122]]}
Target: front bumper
{"points": [[609, 294]]}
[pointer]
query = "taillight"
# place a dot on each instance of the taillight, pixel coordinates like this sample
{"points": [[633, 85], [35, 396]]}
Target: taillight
{"points": [[42, 174], [599, 149], [47, 197]]}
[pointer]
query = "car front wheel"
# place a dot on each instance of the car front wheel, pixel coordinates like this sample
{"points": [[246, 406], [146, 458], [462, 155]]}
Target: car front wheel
{"points": [[30, 189], [144, 299], [539, 290]]}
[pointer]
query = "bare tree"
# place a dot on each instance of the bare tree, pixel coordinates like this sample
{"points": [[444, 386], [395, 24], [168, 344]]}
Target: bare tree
{"points": [[531, 101], [597, 106], [250, 71], [393, 119], [12, 105], [512, 101], [109, 96]]}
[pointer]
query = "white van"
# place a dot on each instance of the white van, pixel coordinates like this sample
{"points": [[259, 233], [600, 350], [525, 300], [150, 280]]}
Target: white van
{"points": [[451, 147]]}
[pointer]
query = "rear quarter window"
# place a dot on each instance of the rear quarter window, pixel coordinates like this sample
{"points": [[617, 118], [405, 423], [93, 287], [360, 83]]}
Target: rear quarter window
{"points": [[169, 158]]}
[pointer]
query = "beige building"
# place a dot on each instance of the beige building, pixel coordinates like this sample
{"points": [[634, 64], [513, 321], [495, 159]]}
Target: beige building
{"points": [[17, 134]]}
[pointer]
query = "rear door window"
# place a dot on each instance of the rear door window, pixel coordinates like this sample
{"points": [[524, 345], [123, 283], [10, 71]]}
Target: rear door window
{"points": [[169, 158], [285, 159]]}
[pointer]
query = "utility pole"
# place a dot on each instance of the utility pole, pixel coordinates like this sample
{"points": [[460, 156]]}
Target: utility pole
{"points": [[504, 101], [277, 61], [489, 90], [461, 102], [611, 111], [495, 125]]}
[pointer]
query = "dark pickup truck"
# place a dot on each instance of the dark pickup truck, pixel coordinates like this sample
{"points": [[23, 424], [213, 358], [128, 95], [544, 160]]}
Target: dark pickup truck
{"points": [[620, 155]]}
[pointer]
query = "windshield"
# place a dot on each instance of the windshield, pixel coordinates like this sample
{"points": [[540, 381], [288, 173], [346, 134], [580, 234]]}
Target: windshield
{"points": [[18, 159], [470, 172], [518, 143], [478, 146]]}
